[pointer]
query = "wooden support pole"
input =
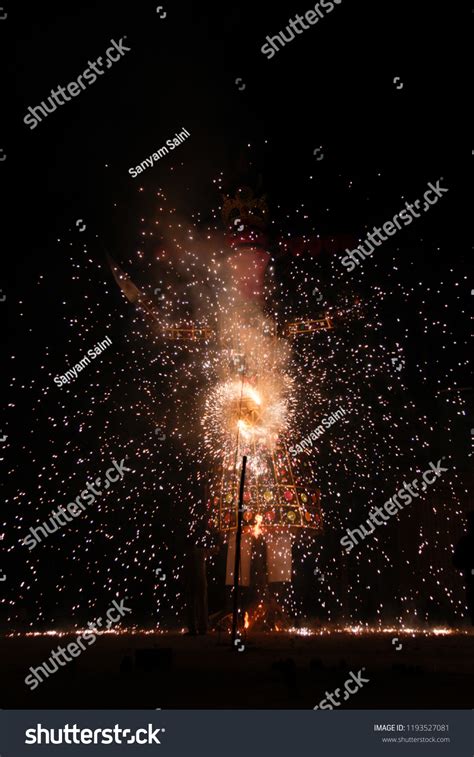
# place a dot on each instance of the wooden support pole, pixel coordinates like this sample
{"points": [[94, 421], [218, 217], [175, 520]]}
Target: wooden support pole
{"points": [[238, 540]]}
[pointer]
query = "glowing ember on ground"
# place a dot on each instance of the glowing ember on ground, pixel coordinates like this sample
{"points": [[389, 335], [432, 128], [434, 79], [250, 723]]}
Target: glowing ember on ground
{"points": [[304, 631]]}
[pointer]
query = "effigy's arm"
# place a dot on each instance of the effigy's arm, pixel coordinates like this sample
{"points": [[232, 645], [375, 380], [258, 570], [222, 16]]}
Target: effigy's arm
{"points": [[144, 303], [300, 326]]}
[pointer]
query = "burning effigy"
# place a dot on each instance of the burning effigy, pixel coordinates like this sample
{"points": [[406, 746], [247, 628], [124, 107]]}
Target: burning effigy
{"points": [[250, 401]]}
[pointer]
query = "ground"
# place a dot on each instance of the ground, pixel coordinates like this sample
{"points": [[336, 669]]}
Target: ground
{"points": [[277, 671]]}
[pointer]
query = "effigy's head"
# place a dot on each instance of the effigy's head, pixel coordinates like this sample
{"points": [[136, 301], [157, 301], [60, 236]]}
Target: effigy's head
{"points": [[245, 217], [245, 208]]}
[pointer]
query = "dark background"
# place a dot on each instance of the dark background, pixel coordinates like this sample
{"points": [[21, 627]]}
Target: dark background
{"points": [[332, 87]]}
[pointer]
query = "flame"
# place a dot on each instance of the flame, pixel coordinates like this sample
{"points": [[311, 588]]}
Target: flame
{"points": [[249, 391], [257, 531], [246, 621]]}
